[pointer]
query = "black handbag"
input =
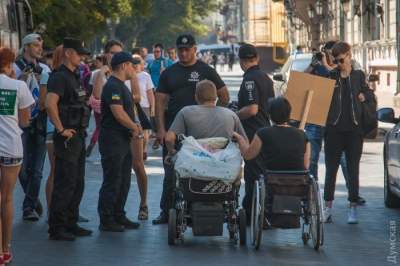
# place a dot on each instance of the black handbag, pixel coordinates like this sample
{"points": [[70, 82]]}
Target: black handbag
{"points": [[144, 121], [369, 119]]}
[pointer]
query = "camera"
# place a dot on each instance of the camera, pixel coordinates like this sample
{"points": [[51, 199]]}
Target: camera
{"points": [[33, 68]]}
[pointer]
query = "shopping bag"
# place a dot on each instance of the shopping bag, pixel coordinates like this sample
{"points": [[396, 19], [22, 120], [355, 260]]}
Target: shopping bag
{"points": [[194, 160]]}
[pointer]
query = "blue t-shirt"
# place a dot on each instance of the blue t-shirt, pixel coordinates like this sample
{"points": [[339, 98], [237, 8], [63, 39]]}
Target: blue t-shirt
{"points": [[155, 69]]}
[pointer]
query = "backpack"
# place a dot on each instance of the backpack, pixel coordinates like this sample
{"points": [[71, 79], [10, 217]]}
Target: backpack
{"points": [[369, 117]]}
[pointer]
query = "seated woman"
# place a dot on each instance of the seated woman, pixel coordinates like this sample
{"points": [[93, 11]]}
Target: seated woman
{"points": [[281, 146], [205, 120]]}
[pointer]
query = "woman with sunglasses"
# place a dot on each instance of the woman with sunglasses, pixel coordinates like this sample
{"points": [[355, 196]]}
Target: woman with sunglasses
{"points": [[343, 130]]}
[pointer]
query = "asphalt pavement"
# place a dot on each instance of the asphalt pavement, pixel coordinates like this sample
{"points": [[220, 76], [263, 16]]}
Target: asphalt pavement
{"points": [[374, 241]]}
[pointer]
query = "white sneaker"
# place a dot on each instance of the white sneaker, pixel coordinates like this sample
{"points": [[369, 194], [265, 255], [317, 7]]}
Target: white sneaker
{"points": [[327, 215], [352, 218]]}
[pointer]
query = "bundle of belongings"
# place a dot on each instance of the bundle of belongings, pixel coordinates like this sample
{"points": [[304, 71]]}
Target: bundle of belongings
{"points": [[209, 159]]}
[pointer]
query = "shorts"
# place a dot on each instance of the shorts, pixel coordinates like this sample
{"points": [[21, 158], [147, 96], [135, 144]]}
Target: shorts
{"points": [[8, 162], [146, 110], [49, 137]]}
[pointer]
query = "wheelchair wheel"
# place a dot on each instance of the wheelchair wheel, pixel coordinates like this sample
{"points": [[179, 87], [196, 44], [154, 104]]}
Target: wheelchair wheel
{"points": [[242, 227], [172, 227], [316, 224], [257, 212]]}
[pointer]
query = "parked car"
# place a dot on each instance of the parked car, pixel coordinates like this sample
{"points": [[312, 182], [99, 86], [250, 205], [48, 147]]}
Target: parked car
{"points": [[391, 158], [298, 62]]}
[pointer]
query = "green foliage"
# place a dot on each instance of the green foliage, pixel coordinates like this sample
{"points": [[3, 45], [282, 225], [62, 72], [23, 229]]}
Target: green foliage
{"points": [[142, 22], [77, 18]]}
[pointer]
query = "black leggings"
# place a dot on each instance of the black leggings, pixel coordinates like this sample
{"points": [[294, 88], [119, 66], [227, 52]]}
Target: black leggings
{"points": [[351, 143]]}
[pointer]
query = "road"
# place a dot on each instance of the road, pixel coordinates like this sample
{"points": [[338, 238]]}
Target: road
{"points": [[368, 243]]}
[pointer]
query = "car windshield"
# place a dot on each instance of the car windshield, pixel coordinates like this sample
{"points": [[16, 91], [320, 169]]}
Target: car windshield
{"points": [[300, 64]]}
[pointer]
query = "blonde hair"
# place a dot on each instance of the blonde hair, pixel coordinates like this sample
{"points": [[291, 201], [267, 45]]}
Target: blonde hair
{"points": [[206, 91]]}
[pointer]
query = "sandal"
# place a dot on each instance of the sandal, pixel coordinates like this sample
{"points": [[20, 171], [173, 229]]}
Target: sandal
{"points": [[143, 213]]}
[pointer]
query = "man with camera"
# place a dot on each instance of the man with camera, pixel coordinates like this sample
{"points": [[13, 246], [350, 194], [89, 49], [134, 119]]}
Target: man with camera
{"points": [[321, 64], [35, 74]]}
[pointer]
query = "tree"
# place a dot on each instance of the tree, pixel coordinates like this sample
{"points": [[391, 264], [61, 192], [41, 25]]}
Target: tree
{"points": [[76, 18], [163, 20]]}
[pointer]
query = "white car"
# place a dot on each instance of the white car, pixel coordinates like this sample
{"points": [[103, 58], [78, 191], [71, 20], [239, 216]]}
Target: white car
{"points": [[298, 62]]}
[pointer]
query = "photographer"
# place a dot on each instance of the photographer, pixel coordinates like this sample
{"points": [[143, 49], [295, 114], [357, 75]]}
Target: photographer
{"points": [[35, 75], [321, 65]]}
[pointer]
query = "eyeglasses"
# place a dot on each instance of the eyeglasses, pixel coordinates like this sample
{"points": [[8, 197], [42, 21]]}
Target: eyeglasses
{"points": [[339, 60], [157, 51]]}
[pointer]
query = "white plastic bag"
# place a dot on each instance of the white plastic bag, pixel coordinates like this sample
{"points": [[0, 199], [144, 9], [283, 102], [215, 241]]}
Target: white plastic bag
{"points": [[195, 161]]}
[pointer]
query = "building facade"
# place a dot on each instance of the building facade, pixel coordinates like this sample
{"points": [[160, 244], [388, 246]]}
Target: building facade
{"points": [[368, 25]]}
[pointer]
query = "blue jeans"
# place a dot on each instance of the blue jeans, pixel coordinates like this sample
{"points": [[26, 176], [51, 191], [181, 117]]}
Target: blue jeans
{"points": [[30, 177], [315, 135]]}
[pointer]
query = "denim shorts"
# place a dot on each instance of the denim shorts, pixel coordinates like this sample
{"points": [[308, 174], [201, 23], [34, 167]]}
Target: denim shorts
{"points": [[8, 162]]}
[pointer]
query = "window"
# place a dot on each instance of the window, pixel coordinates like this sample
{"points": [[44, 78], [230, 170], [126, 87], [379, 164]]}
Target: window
{"points": [[388, 79], [379, 78]]}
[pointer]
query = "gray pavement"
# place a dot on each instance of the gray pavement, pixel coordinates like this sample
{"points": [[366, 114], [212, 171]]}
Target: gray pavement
{"points": [[368, 243]]}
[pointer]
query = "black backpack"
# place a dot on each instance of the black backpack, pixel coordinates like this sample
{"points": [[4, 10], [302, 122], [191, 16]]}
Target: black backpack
{"points": [[369, 117]]}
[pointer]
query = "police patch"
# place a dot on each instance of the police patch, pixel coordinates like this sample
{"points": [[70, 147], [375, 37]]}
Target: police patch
{"points": [[249, 85], [115, 97]]}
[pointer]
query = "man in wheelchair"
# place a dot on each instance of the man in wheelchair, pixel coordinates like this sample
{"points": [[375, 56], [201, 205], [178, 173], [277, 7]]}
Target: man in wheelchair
{"points": [[205, 120]]}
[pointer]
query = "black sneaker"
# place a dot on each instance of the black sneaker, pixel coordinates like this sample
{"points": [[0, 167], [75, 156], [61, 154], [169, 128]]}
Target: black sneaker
{"points": [[361, 201], [30, 215], [161, 219], [62, 235], [128, 224], [80, 231], [39, 208], [111, 227]]}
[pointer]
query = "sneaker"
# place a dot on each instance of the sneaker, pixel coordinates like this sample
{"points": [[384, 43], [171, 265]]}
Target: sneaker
{"points": [[128, 224], [352, 218], [361, 201], [2, 263], [111, 227], [62, 235], [30, 215], [39, 208], [82, 219], [161, 219], [327, 215], [7, 256], [80, 231]]}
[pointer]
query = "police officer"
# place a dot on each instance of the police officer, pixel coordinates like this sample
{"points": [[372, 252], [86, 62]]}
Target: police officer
{"points": [[177, 89], [67, 109], [253, 96], [118, 127]]}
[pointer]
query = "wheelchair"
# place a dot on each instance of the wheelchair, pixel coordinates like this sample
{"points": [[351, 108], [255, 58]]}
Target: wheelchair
{"points": [[205, 205], [283, 199]]}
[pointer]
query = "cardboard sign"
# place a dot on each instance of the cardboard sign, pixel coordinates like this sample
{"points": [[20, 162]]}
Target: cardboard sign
{"points": [[297, 93]]}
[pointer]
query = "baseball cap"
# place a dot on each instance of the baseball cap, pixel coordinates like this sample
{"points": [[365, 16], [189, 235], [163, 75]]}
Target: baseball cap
{"points": [[75, 44], [30, 38], [120, 58], [247, 51], [185, 41]]}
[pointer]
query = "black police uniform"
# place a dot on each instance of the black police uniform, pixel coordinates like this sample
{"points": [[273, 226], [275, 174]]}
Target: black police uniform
{"points": [[179, 82], [69, 154], [256, 88], [115, 151]]}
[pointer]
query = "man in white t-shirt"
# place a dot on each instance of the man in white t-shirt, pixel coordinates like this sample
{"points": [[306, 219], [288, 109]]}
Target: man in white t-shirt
{"points": [[35, 75]]}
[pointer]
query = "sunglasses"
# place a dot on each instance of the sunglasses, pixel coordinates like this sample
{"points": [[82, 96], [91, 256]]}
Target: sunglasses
{"points": [[339, 60]]}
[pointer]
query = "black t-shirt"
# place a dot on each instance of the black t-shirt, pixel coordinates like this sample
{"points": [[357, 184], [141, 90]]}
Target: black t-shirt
{"points": [[115, 92], [283, 148], [64, 83], [179, 82], [345, 122], [256, 88]]}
